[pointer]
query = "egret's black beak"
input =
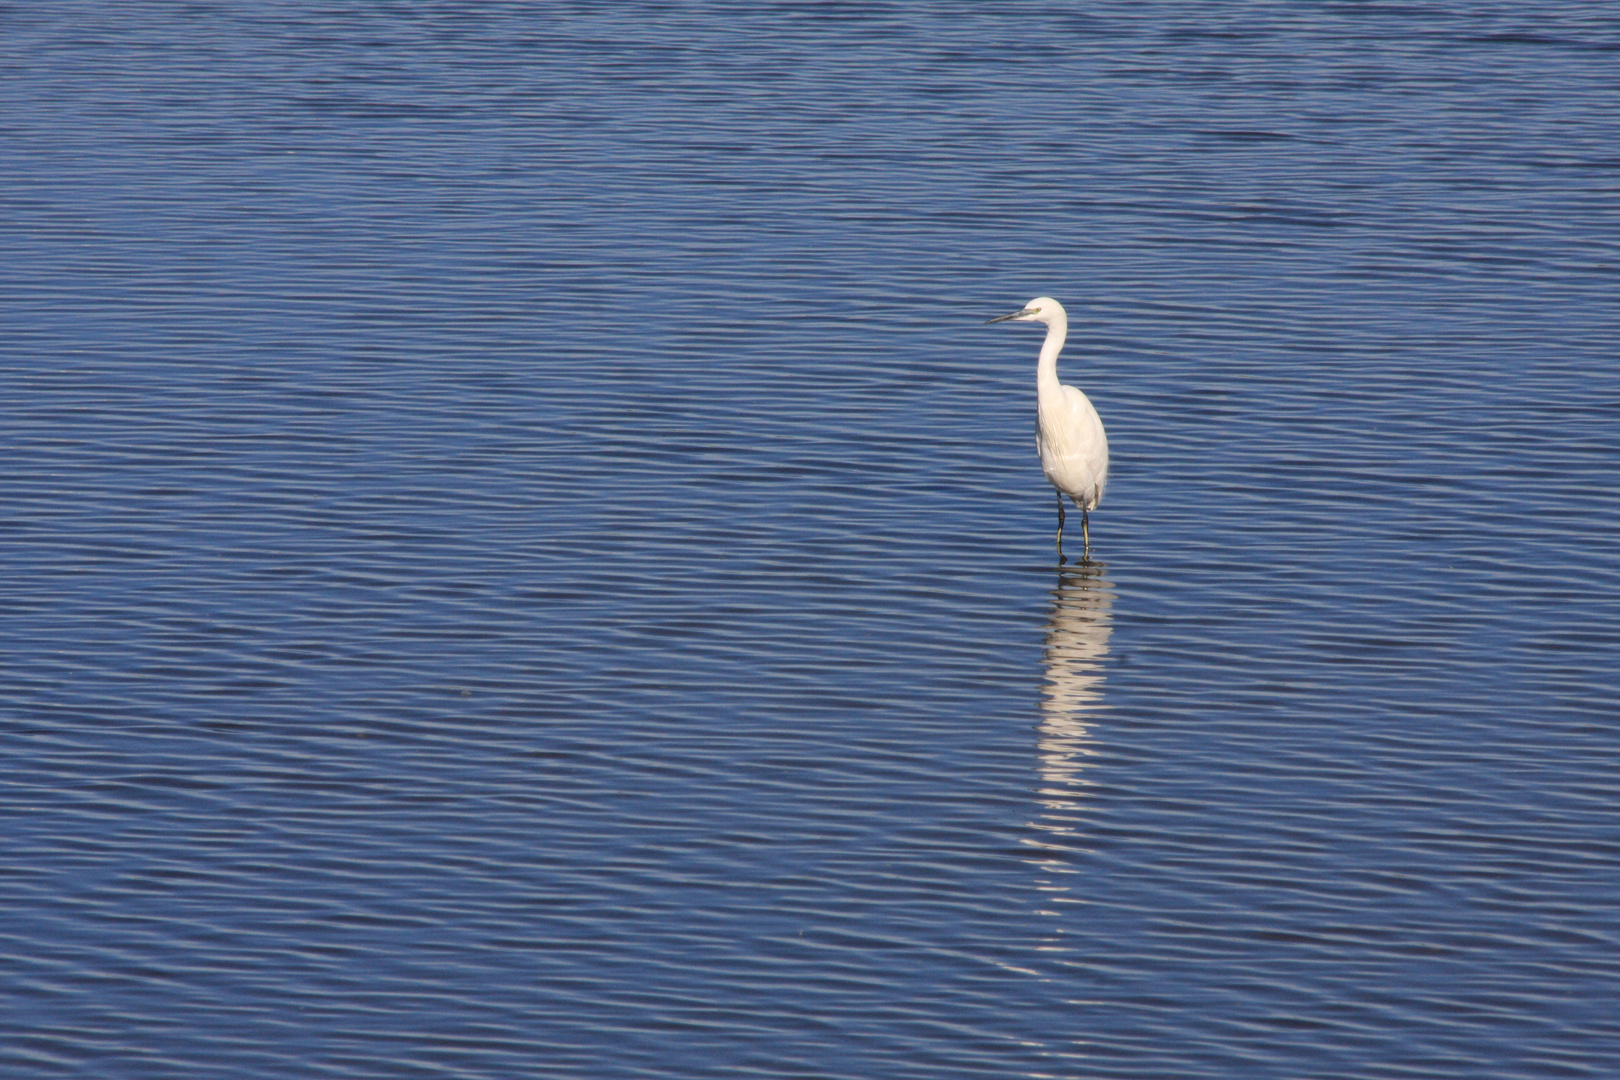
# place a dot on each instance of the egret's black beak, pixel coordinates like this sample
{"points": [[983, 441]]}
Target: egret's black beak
{"points": [[1004, 318]]}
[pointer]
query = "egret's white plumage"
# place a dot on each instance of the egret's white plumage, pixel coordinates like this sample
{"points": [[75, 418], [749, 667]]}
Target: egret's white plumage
{"points": [[1068, 432]]}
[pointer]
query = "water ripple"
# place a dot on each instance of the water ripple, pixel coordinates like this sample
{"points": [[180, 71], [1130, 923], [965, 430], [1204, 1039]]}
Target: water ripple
{"points": [[520, 559]]}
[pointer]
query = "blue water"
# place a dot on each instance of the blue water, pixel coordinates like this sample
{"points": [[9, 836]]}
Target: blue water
{"points": [[519, 557]]}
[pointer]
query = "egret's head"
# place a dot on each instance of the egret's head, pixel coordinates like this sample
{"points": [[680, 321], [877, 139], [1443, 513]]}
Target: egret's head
{"points": [[1041, 309]]}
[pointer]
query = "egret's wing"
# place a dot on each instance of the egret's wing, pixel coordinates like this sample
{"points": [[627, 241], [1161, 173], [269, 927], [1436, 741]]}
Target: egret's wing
{"points": [[1083, 443]]}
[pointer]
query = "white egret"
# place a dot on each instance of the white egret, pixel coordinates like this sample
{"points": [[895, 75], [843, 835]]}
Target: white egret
{"points": [[1068, 432]]}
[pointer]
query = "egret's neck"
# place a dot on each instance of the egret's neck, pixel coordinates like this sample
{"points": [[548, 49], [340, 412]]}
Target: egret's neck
{"points": [[1046, 370]]}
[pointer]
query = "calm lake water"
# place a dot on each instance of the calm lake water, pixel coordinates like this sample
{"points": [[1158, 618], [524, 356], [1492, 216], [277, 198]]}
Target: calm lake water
{"points": [[520, 559]]}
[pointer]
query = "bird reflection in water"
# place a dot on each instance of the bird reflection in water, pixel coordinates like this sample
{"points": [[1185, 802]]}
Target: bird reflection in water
{"points": [[1077, 631]]}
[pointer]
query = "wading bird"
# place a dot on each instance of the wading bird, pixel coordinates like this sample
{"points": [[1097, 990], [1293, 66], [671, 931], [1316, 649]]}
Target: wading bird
{"points": [[1068, 432]]}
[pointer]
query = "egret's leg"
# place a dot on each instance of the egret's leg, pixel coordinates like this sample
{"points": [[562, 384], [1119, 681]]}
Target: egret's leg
{"points": [[1085, 530], [1060, 529]]}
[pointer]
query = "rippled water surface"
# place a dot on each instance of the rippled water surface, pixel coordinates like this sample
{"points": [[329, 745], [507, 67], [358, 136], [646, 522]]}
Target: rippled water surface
{"points": [[519, 557]]}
